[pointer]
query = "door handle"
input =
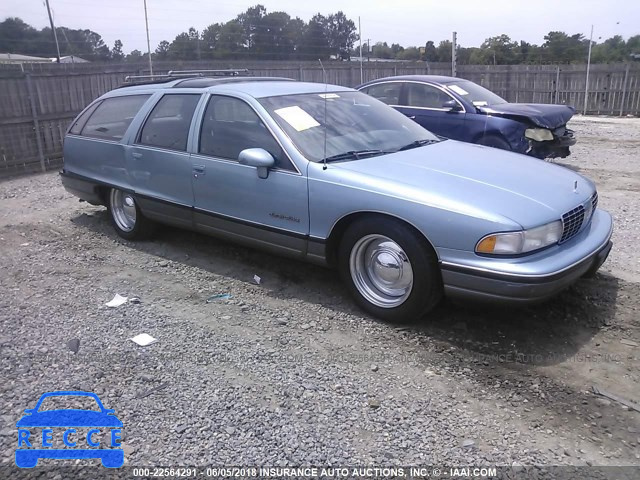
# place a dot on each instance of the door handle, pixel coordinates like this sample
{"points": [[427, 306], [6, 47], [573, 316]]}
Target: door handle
{"points": [[136, 155], [198, 170], [412, 117]]}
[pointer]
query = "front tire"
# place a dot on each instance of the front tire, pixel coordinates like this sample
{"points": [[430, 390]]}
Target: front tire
{"points": [[126, 217], [390, 270]]}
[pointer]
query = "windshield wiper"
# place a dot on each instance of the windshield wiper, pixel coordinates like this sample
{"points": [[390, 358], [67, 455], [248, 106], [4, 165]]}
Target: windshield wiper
{"points": [[357, 154], [416, 144]]}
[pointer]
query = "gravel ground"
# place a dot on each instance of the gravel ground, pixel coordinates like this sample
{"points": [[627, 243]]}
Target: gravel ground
{"points": [[290, 372]]}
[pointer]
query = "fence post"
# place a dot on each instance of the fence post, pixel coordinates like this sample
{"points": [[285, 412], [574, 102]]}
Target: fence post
{"points": [[624, 89], [301, 74], [555, 100], [36, 123]]}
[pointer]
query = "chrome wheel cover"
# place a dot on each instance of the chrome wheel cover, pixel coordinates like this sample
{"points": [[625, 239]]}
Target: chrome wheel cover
{"points": [[381, 271], [123, 209]]}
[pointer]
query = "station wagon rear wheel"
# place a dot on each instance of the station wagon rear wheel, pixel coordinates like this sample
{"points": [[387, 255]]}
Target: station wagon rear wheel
{"points": [[390, 269], [126, 217]]}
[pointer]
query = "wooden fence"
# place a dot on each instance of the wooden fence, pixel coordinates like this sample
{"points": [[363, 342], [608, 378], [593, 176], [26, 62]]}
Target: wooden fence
{"points": [[38, 101]]}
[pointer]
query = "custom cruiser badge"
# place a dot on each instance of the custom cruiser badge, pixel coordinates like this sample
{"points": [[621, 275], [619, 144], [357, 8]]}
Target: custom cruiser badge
{"points": [[280, 216]]}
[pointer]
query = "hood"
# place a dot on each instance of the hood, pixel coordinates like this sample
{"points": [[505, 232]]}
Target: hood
{"points": [[69, 418], [542, 115], [477, 181]]}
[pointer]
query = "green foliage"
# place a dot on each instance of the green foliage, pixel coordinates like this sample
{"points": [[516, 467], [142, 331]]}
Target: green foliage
{"points": [[116, 51], [259, 34], [18, 37]]}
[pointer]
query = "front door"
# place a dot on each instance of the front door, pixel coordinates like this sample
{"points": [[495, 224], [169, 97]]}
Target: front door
{"points": [[425, 104], [231, 199]]}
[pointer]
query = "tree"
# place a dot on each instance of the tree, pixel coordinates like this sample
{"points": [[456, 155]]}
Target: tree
{"points": [[500, 50], [409, 53], [162, 50], [613, 49], [116, 51], [134, 56], [382, 50], [444, 51], [18, 37], [341, 34], [210, 39], [430, 52], [230, 41], [251, 23], [273, 41], [315, 44], [562, 48], [185, 46]]}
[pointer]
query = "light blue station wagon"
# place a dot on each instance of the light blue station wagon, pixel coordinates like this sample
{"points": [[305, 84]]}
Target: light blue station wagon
{"points": [[335, 177]]}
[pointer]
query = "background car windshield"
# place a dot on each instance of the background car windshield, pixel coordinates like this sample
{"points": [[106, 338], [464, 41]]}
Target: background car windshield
{"points": [[475, 94], [354, 122]]}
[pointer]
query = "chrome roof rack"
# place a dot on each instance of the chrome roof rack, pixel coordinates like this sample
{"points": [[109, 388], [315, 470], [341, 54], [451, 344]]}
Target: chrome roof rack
{"points": [[175, 74]]}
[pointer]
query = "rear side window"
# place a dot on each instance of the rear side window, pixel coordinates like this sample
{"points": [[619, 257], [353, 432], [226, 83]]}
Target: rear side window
{"points": [[169, 122], [113, 116], [388, 93], [76, 127]]}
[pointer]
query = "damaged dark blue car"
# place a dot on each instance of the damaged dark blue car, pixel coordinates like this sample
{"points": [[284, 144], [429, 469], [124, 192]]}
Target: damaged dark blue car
{"points": [[462, 110]]}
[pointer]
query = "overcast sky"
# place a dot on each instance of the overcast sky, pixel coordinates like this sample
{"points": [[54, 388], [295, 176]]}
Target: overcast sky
{"points": [[408, 22]]}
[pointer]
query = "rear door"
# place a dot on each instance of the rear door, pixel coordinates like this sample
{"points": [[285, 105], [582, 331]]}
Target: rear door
{"points": [[159, 163], [425, 104]]}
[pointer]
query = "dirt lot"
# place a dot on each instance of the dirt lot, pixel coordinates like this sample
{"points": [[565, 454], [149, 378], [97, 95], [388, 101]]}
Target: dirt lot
{"points": [[290, 372]]}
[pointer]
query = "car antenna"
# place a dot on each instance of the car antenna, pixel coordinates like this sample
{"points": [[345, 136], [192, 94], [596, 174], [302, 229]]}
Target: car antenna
{"points": [[326, 86]]}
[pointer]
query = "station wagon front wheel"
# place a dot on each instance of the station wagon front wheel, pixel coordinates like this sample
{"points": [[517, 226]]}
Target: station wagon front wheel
{"points": [[126, 217], [391, 271]]}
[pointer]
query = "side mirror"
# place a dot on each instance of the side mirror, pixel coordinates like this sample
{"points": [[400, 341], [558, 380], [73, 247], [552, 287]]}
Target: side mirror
{"points": [[452, 105], [259, 158]]}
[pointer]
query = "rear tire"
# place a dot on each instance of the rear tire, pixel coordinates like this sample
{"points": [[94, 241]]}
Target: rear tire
{"points": [[390, 270], [494, 141], [126, 217]]}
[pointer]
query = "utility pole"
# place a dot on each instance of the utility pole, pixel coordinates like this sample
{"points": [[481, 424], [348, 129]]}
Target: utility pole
{"points": [[146, 21], [53, 29], [360, 36], [586, 87], [453, 55]]}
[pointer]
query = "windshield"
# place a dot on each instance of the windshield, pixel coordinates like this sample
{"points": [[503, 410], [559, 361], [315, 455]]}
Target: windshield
{"points": [[475, 94], [357, 125]]}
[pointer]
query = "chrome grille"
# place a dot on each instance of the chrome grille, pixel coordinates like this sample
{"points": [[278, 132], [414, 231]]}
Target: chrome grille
{"points": [[571, 223], [573, 220]]}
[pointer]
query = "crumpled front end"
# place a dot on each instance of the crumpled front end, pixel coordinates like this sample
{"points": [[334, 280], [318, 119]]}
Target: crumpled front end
{"points": [[558, 147]]}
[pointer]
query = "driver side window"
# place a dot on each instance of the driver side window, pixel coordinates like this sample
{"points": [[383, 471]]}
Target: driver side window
{"points": [[230, 125]]}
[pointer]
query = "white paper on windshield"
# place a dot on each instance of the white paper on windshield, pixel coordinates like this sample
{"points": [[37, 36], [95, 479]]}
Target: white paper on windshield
{"points": [[458, 90], [297, 118], [480, 103], [328, 95]]}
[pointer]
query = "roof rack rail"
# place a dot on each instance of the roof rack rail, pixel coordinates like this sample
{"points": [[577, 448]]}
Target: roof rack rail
{"points": [[174, 74]]}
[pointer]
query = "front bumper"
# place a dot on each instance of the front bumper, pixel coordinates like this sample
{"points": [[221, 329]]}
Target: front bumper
{"points": [[563, 138], [537, 278]]}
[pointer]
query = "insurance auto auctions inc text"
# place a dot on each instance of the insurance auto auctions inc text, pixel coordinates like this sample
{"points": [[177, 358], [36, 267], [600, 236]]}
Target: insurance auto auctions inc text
{"points": [[362, 472]]}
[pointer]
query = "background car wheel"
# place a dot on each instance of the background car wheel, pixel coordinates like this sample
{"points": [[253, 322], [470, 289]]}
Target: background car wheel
{"points": [[126, 217], [391, 271], [494, 141]]}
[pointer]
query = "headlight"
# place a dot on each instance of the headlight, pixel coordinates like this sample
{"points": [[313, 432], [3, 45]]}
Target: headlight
{"points": [[538, 134], [513, 243]]}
